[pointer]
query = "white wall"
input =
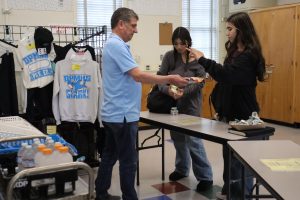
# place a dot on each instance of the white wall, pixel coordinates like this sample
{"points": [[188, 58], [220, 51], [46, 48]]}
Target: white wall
{"points": [[282, 2], [145, 44], [35, 17]]}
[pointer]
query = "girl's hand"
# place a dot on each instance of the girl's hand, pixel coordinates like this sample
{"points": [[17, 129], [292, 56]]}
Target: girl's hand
{"points": [[194, 53], [175, 93]]}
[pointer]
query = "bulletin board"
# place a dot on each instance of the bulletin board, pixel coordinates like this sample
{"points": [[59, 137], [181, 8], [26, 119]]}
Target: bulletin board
{"points": [[45, 5], [165, 33]]}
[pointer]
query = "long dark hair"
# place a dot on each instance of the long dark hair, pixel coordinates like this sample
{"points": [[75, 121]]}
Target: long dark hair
{"points": [[247, 36], [184, 35]]}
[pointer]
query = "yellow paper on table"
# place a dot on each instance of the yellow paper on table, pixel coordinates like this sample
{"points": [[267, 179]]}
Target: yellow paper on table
{"points": [[286, 164], [187, 121]]}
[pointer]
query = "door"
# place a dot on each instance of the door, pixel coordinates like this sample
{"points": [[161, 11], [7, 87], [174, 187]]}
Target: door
{"points": [[262, 23], [297, 71], [276, 29]]}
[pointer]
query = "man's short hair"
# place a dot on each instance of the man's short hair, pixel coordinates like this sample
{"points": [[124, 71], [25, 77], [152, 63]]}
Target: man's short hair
{"points": [[124, 14]]}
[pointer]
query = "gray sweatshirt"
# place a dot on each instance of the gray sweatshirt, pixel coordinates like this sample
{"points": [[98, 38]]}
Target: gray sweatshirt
{"points": [[77, 85], [191, 101]]}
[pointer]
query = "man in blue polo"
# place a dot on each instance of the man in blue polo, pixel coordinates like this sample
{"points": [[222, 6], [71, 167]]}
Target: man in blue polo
{"points": [[121, 105]]}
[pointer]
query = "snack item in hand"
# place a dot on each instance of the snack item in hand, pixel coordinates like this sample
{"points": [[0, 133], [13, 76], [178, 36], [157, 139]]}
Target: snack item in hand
{"points": [[196, 79], [174, 88]]}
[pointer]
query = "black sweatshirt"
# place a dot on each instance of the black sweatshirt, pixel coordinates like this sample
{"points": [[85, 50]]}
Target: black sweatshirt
{"points": [[236, 83]]}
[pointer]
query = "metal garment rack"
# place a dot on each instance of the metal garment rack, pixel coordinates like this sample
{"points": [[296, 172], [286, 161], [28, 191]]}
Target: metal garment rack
{"points": [[94, 36]]}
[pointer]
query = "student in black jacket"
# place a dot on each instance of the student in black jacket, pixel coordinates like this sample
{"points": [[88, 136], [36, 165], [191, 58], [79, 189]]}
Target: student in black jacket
{"points": [[234, 95]]}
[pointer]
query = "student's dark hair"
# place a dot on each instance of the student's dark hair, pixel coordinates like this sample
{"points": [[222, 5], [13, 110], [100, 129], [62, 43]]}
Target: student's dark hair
{"points": [[246, 34], [184, 35], [124, 14]]}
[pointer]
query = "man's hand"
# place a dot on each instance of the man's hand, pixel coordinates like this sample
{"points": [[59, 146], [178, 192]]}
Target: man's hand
{"points": [[196, 79], [194, 53], [177, 80]]}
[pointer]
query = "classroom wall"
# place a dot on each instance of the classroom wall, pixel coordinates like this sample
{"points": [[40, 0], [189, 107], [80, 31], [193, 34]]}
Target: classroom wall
{"points": [[145, 44], [282, 2], [36, 17]]}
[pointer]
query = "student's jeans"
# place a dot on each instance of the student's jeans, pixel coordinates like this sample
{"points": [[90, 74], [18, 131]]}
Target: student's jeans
{"points": [[236, 175], [191, 148], [120, 144]]}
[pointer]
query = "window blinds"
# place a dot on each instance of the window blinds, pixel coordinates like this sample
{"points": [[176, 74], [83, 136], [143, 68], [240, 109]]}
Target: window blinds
{"points": [[96, 12], [200, 17]]}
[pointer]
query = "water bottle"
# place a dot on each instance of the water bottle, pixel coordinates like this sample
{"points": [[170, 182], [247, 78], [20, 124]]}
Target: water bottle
{"points": [[57, 145], [48, 138], [50, 144], [46, 158], [65, 156], [38, 158], [36, 140], [56, 152], [20, 155], [28, 157], [36, 144]]}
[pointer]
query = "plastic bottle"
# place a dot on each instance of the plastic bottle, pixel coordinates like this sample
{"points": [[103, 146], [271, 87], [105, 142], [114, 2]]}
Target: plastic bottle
{"points": [[50, 144], [65, 156], [35, 144], [38, 158], [48, 138], [56, 152], [46, 158], [28, 158], [20, 155], [36, 139], [57, 145]]}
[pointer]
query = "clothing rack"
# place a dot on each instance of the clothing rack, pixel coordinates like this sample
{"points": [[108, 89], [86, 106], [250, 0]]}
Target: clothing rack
{"points": [[94, 36], [103, 31], [8, 43]]}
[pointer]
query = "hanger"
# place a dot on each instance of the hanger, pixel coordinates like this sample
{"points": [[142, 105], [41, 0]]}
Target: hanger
{"points": [[8, 43], [5, 49], [103, 31]]}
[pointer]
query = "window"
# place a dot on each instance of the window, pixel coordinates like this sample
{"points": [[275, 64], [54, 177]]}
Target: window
{"points": [[96, 12], [200, 17]]}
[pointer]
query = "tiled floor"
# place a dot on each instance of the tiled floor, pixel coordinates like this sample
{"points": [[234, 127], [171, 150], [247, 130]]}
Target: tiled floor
{"points": [[153, 188]]}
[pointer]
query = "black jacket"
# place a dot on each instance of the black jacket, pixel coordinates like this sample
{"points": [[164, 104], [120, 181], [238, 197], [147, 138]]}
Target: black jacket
{"points": [[236, 84]]}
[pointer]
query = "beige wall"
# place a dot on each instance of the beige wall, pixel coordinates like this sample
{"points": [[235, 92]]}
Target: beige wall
{"points": [[145, 45], [35, 18], [281, 2]]}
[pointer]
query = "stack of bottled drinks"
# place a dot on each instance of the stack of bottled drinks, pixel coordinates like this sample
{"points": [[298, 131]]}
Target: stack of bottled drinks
{"points": [[39, 154]]}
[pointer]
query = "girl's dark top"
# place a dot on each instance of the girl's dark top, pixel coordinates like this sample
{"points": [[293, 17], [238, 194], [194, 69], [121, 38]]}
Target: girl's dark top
{"points": [[191, 101], [236, 84]]}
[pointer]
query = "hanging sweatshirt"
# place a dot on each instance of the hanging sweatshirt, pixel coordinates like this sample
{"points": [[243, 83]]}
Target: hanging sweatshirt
{"points": [[37, 68], [77, 85]]}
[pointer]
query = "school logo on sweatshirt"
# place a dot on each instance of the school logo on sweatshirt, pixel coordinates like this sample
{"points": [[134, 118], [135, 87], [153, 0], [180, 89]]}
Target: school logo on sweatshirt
{"points": [[39, 66], [77, 88]]}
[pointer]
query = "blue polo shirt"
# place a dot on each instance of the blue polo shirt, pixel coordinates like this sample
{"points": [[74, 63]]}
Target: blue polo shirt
{"points": [[122, 94]]}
